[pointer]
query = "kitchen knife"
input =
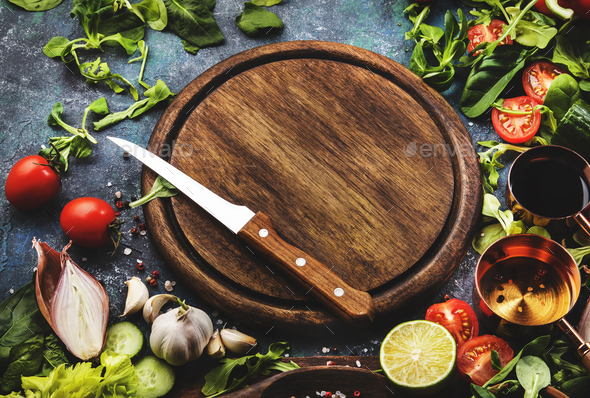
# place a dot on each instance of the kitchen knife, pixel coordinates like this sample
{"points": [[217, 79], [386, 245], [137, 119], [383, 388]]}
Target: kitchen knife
{"points": [[256, 230]]}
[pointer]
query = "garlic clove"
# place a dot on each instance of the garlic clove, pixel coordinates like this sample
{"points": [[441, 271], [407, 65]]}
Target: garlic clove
{"points": [[137, 295], [215, 348], [79, 310], [237, 342], [48, 271], [152, 307]]}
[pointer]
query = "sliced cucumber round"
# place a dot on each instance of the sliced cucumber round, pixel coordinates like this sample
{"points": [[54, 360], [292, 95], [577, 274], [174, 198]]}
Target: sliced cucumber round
{"points": [[124, 338], [155, 377]]}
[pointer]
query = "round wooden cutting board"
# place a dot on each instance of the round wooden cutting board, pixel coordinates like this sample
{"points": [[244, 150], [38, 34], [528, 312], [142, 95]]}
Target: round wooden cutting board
{"points": [[356, 161]]}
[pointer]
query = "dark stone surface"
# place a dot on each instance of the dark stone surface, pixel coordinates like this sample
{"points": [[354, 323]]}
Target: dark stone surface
{"points": [[31, 83]]}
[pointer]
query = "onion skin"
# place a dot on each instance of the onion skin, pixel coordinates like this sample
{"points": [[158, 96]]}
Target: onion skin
{"points": [[48, 271], [58, 298]]}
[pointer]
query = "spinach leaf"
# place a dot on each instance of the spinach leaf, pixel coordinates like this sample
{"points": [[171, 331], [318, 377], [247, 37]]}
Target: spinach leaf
{"points": [[99, 71], [55, 46], [533, 374], [25, 360], [192, 21], [563, 370], [216, 381], [156, 94], [562, 93], [53, 354], [266, 3], [490, 76], [577, 388], [36, 5], [480, 392], [568, 55], [255, 20], [532, 30], [20, 319], [486, 236], [160, 189], [536, 347], [154, 12], [127, 24]]}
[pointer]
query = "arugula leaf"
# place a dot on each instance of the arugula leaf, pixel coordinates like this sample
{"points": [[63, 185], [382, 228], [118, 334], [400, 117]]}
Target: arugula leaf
{"points": [[489, 163], [570, 56], [36, 5], [216, 381], [25, 360], [192, 21], [490, 76], [160, 189], [99, 71], [20, 319], [156, 94], [562, 370], [480, 392], [266, 3], [255, 20], [486, 236], [143, 49], [532, 30]]}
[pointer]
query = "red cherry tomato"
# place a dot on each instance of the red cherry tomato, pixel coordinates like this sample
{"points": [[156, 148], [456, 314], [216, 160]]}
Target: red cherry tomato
{"points": [[517, 129], [30, 185], [474, 358], [537, 78], [86, 221], [457, 317], [481, 33]]}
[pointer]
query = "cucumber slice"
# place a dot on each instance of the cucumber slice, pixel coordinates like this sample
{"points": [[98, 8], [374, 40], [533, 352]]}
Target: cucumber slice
{"points": [[124, 338], [155, 377]]}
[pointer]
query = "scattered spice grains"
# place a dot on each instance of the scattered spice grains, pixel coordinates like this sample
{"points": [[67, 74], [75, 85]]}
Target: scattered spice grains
{"points": [[140, 266], [154, 282], [330, 363], [136, 218], [134, 232], [529, 289], [156, 275], [127, 251], [357, 394], [519, 309], [119, 204], [168, 286], [510, 281], [358, 364], [118, 194], [500, 299], [542, 286]]}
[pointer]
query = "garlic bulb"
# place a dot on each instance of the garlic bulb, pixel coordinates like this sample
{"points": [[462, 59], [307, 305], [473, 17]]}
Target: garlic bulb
{"points": [[237, 342], [181, 335], [215, 348], [152, 307], [78, 307], [137, 295]]}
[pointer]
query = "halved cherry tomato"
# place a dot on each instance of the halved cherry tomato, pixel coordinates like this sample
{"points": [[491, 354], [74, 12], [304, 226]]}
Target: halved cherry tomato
{"points": [[481, 33], [537, 78], [87, 221], [517, 129], [474, 358], [457, 317], [30, 184]]}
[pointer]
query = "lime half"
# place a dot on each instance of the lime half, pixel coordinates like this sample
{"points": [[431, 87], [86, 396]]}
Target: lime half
{"points": [[418, 356]]}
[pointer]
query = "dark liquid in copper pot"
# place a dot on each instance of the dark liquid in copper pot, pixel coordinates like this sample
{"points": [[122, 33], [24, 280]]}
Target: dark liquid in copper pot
{"points": [[550, 189]]}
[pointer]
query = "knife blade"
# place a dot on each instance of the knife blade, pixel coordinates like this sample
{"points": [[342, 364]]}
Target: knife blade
{"points": [[353, 306]]}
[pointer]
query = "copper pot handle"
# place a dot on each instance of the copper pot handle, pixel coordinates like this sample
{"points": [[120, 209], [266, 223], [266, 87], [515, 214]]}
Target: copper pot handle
{"points": [[583, 222], [582, 347]]}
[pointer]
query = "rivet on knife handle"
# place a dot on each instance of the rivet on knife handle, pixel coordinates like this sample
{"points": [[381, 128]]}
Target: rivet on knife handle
{"points": [[354, 306]]}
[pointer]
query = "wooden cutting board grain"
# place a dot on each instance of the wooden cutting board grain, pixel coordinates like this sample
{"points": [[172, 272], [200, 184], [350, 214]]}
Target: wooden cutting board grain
{"points": [[356, 161]]}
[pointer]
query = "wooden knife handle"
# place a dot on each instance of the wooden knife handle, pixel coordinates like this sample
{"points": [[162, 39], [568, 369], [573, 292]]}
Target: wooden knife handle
{"points": [[353, 306]]}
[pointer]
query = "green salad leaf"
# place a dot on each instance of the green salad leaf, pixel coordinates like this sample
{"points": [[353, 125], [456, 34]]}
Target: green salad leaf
{"points": [[156, 94], [25, 360], [266, 3], [562, 93], [255, 20], [53, 355], [216, 381], [533, 375], [192, 21], [160, 189], [20, 320], [36, 5]]}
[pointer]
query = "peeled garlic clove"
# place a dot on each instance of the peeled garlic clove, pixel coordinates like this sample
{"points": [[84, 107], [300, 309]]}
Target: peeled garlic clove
{"points": [[215, 348], [152, 307], [237, 342], [79, 310], [47, 277], [137, 295]]}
